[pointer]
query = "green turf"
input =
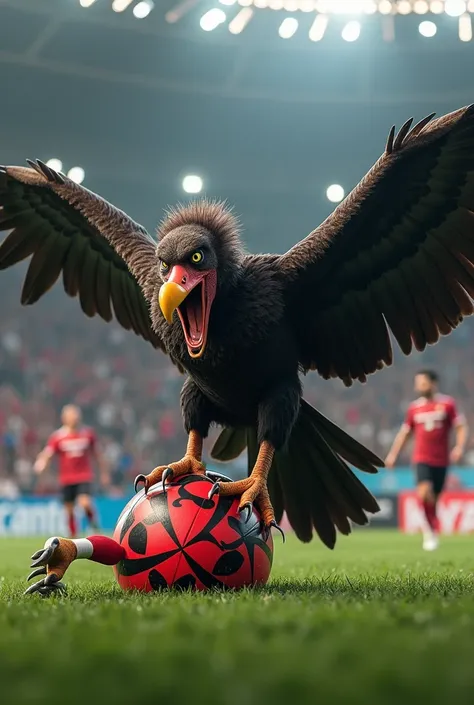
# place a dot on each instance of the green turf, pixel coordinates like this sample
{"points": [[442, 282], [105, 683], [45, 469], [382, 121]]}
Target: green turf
{"points": [[375, 621]]}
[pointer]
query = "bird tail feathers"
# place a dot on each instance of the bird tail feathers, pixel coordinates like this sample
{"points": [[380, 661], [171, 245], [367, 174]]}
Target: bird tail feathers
{"points": [[310, 479]]}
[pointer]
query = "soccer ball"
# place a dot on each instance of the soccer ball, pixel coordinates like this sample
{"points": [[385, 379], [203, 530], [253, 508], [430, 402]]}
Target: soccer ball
{"points": [[180, 538]]}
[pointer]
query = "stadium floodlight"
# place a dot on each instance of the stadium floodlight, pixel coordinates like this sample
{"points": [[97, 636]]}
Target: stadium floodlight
{"points": [[77, 174], [465, 28], [455, 8], [306, 5], [192, 184], [143, 9], [470, 6], [346, 7], [241, 20], [427, 29], [436, 7], [86, 3], [288, 27], [421, 7], [55, 164], [351, 31], [335, 193], [121, 5], [318, 28], [385, 7], [288, 5], [404, 7], [212, 19]]}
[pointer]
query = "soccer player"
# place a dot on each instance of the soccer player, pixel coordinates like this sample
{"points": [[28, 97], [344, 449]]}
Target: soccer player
{"points": [[430, 420], [75, 447]]}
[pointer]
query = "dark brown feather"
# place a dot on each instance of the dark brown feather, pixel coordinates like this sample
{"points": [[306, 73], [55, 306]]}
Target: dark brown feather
{"points": [[418, 197], [95, 245]]}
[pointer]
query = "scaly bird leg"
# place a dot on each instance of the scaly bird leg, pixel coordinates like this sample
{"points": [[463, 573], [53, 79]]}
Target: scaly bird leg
{"points": [[52, 561], [191, 463], [254, 489]]}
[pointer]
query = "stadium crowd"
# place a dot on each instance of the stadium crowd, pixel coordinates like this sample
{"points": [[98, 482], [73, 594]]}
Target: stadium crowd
{"points": [[51, 354]]}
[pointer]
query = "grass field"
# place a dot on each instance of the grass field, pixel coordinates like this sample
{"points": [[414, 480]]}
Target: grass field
{"points": [[375, 621]]}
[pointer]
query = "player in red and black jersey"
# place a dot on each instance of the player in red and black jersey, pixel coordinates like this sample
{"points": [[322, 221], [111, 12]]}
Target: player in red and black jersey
{"points": [[430, 420], [75, 446]]}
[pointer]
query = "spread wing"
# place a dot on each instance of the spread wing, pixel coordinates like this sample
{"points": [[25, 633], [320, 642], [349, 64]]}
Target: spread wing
{"points": [[398, 253], [105, 257]]}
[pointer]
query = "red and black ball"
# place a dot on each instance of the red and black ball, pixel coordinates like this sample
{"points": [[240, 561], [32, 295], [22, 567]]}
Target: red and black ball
{"points": [[182, 539]]}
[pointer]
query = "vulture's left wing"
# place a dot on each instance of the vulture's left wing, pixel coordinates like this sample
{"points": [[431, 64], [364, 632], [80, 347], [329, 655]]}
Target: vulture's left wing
{"points": [[398, 252], [106, 259]]}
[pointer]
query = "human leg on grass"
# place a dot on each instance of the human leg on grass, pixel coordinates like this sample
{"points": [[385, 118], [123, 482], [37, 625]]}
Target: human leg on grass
{"points": [[84, 500], [430, 484]]}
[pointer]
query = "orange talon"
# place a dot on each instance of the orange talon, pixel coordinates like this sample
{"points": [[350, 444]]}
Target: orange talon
{"points": [[190, 464]]}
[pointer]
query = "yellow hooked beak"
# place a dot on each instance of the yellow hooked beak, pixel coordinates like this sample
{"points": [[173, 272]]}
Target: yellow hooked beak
{"points": [[170, 297]]}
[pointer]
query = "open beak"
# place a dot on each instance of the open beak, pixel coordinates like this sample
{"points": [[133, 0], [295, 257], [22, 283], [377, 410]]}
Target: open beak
{"points": [[190, 293]]}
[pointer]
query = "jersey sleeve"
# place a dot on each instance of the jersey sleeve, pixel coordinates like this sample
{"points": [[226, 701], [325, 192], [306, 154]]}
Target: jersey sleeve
{"points": [[456, 418], [409, 422], [52, 444]]}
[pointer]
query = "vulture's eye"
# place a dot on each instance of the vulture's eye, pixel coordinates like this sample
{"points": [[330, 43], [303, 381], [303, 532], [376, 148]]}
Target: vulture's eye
{"points": [[197, 257], [164, 266]]}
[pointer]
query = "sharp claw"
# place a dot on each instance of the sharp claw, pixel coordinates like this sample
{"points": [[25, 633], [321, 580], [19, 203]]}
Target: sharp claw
{"points": [[37, 554], [38, 571], [51, 579], [248, 508], [215, 489], [34, 588], [45, 556], [278, 528], [167, 473], [139, 478]]}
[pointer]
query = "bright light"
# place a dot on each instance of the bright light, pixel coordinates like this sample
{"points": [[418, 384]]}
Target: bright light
{"points": [[77, 174], [289, 5], [318, 28], [55, 164], [385, 7], [455, 8], [404, 7], [351, 31], [370, 7], [346, 7], [143, 9], [192, 184], [421, 7], [241, 20], [470, 6], [86, 3], [212, 19], [227, 2], [465, 28], [288, 27], [121, 5], [427, 29], [335, 193], [436, 7]]}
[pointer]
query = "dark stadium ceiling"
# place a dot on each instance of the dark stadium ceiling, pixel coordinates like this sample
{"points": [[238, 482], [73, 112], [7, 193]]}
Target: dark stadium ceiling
{"points": [[267, 123]]}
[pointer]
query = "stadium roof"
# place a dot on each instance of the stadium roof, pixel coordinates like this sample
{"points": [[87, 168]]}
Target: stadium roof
{"points": [[267, 123]]}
